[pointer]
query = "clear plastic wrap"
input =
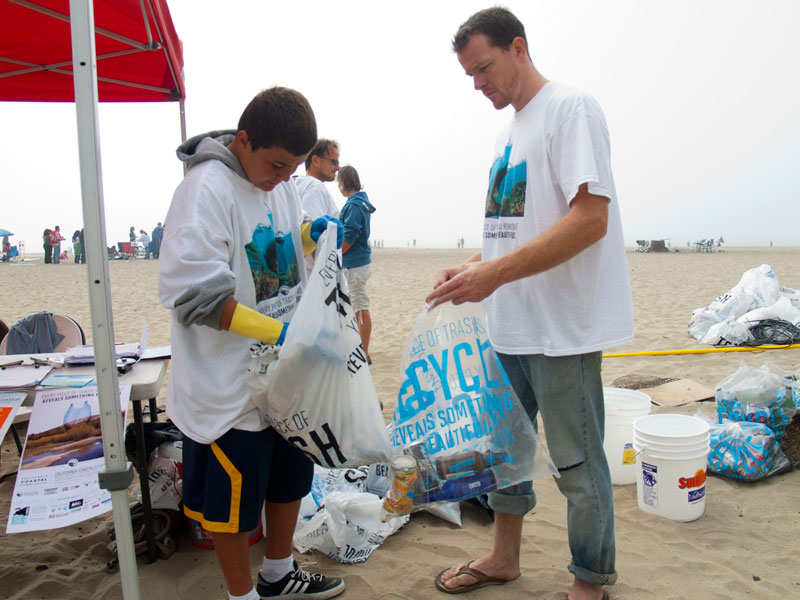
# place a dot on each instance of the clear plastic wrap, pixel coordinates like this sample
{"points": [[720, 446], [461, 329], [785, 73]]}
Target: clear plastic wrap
{"points": [[458, 430], [745, 451], [765, 394]]}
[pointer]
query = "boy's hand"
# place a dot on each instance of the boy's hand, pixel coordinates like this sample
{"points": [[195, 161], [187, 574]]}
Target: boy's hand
{"points": [[321, 224]]}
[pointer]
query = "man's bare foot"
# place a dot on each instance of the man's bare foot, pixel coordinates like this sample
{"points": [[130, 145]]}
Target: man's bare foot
{"points": [[585, 591]]}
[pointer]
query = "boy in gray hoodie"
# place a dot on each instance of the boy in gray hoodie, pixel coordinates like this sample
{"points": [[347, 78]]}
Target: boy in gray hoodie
{"points": [[231, 272]]}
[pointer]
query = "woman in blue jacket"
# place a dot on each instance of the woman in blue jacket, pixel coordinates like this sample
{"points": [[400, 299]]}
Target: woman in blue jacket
{"points": [[356, 253]]}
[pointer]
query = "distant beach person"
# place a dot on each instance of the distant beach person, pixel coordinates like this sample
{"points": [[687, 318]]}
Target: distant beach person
{"points": [[231, 274], [144, 240], [55, 242], [158, 235], [551, 190], [83, 247], [132, 235], [48, 249], [77, 245], [321, 166], [356, 253]]}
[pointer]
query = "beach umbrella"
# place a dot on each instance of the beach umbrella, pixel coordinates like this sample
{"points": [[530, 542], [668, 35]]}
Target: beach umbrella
{"points": [[84, 51], [4, 232]]}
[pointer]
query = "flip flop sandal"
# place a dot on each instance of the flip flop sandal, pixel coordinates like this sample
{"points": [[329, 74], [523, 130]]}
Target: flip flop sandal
{"points": [[482, 580]]}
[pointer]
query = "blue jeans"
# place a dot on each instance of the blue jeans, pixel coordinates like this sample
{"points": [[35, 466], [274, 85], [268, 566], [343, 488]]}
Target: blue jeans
{"points": [[568, 392]]}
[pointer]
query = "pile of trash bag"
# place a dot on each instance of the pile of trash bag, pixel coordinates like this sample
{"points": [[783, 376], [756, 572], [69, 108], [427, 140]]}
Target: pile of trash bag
{"points": [[757, 310], [753, 407], [341, 515]]}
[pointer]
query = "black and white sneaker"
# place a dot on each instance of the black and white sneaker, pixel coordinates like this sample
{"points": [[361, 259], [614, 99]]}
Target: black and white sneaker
{"points": [[301, 584]]}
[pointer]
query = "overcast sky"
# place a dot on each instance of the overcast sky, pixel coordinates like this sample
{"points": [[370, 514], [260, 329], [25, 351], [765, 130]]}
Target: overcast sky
{"points": [[700, 97]]}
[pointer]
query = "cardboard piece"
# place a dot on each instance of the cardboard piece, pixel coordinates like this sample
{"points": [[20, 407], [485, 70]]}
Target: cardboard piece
{"points": [[679, 392]]}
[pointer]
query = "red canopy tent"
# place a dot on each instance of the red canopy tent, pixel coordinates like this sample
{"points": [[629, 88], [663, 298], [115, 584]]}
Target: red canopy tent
{"points": [[84, 51], [139, 55]]}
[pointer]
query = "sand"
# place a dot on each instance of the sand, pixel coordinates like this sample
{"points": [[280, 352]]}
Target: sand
{"points": [[744, 546]]}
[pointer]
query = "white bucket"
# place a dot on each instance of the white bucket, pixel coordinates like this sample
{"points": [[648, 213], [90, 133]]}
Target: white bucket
{"points": [[669, 450], [623, 407], [672, 452]]}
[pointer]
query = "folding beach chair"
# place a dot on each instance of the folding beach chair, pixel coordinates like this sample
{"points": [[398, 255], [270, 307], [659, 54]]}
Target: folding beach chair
{"points": [[66, 326], [72, 336]]}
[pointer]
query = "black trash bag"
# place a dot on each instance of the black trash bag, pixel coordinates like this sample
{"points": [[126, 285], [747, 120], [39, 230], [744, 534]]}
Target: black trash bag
{"points": [[155, 434]]}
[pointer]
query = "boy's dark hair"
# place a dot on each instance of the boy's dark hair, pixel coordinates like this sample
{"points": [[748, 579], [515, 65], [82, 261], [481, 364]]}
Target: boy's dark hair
{"points": [[348, 177], [280, 117], [320, 148], [498, 24]]}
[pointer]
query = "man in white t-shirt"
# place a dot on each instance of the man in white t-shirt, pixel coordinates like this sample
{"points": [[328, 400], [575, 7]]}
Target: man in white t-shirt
{"points": [[322, 163], [554, 278]]}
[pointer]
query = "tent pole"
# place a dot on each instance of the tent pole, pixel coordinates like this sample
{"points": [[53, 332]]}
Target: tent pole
{"points": [[182, 108], [118, 473]]}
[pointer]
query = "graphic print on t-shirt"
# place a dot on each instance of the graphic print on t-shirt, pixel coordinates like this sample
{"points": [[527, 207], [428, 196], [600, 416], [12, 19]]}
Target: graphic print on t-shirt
{"points": [[272, 262], [506, 197]]}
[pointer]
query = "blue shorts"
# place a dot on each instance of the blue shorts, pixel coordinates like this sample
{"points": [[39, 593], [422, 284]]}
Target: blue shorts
{"points": [[225, 483]]}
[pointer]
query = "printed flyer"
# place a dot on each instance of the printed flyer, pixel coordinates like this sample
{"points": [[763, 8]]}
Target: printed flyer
{"points": [[57, 483], [9, 404]]}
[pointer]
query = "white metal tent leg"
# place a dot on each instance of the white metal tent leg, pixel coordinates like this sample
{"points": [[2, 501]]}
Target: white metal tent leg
{"points": [[117, 469]]}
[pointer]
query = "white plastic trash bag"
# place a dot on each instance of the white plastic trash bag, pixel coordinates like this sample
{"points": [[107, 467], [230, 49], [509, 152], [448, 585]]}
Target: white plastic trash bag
{"points": [[318, 393], [347, 528], [757, 288], [792, 294], [728, 333], [783, 310]]}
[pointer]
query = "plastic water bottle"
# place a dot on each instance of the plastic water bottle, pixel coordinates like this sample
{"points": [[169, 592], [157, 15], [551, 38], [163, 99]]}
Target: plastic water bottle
{"points": [[461, 488]]}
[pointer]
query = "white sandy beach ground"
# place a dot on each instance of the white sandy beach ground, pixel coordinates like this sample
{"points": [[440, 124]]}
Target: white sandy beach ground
{"points": [[744, 546]]}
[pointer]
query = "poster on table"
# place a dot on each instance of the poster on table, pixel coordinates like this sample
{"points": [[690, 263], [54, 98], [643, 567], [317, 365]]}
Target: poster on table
{"points": [[56, 482], [9, 404]]}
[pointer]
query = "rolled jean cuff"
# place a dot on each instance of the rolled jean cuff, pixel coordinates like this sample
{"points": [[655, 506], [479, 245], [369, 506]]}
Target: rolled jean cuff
{"points": [[517, 500], [590, 577]]}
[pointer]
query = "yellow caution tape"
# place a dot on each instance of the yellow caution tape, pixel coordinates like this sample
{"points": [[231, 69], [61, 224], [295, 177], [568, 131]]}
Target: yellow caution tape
{"points": [[702, 350]]}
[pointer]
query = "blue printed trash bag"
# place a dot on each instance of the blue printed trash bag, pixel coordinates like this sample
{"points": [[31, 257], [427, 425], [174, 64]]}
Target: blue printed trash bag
{"points": [[745, 451], [765, 394], [459, 430]]}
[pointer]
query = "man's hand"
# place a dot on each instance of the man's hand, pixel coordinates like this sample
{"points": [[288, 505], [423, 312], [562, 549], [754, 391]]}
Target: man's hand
{"points": [[470, 282]]}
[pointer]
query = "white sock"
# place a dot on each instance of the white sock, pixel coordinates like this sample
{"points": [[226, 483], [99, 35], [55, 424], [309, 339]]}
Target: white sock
{"points": [[251, 595], [275, 570]]}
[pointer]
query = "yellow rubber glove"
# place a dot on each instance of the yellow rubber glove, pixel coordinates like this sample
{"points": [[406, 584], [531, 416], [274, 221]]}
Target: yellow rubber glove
{"points": [[251, 323], [309, 245]]}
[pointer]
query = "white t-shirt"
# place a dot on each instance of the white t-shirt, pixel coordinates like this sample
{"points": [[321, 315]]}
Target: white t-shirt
{"points": [[557, 142], [316, 201], [314, 197], [220, 225]]}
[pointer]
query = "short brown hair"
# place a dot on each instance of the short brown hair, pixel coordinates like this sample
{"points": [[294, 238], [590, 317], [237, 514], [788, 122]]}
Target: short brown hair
{"points": [[320, 148], [281, 117], [498, 24]]}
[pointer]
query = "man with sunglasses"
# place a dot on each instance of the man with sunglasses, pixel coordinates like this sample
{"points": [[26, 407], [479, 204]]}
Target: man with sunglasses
{"points": [[322, 163]]}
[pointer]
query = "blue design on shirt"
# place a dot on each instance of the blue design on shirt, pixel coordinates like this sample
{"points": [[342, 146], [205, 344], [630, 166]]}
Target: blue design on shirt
{"points": [[273, 262], [507, 185]]}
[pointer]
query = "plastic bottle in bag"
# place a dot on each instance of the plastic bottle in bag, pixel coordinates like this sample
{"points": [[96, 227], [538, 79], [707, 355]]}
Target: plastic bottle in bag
{"points": [[460, 488], [458, 465]]}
